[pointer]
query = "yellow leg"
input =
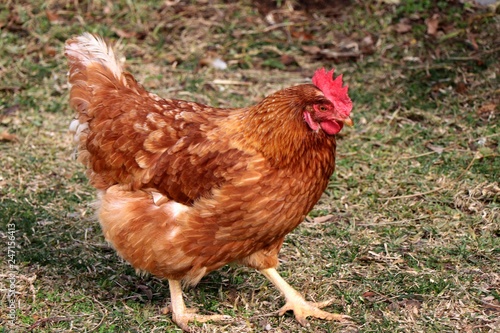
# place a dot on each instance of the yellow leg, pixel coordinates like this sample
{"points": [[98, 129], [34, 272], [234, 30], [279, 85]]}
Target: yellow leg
{"points": [[296, 302], [182, 315]]}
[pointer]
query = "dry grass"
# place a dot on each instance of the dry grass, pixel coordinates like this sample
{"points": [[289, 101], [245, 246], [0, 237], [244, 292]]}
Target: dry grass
{"points": [[406, 237]]}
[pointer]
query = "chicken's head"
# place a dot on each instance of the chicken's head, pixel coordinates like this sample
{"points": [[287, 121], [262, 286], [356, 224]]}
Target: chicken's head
{"points": [[333, 111]]}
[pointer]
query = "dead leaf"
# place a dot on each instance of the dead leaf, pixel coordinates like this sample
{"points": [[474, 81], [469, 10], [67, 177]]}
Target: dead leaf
{"points": [[403, 26], [146, 290], [11, 109], [432, 24], [52, 17], [170, 58], [412, 304], [287, 60], [301, 35], [50, 51], [438, 87], [448, 28], [270, 18], [349, 45], [124, 34], [394, 306], [367, 45], [43, 321], [211, 59], [488, 107], [108, 9], [491, 304], [6, 136], [323, 219], [367, 41], [332, 54], [436, 149], [412, 307], [171, 3], [461, 88], [471, 38], [487, 111], [314, 50]]}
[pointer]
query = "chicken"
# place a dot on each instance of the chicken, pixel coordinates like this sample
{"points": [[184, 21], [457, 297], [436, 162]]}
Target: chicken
{"points": [[184, 188]]}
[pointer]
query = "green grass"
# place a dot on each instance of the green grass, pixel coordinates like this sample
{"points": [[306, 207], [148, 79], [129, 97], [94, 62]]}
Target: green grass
{"points": [[411, 241]]}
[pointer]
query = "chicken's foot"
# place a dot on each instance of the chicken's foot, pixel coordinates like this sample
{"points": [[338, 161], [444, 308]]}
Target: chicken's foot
{"points": [[296, 302], [182, 315]]}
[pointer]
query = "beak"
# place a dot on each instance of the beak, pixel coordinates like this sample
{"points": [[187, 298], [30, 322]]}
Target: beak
{"points": [[348, 122]]}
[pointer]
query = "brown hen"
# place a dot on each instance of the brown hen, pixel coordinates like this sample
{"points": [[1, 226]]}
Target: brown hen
{"points": [[185, 188]]}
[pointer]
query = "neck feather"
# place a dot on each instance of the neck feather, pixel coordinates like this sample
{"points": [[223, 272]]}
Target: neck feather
{"points": [[276, 127]]}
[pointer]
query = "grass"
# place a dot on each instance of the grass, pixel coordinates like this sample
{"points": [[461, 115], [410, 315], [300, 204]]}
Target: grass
{"points": [[406, 237]]}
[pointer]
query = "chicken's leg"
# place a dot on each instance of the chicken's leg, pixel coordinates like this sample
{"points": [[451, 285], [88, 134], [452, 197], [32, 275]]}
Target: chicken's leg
{"points": [[296, 302], [182, 315]]}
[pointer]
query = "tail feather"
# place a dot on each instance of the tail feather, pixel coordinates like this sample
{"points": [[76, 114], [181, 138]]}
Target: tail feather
{"points": [[92, 66], [87, 49]]}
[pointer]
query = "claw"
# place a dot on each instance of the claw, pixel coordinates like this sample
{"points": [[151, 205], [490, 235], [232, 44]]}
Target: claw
{"points": [[181, 315], [183, 319], [303, 309], [296, 303]]}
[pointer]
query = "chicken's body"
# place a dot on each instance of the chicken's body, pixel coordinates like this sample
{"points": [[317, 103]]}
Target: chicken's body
{"points": [[185, 188]]}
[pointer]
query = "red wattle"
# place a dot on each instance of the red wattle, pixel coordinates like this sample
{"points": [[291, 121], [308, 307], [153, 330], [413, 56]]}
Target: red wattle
{"points": [[331, 127]]}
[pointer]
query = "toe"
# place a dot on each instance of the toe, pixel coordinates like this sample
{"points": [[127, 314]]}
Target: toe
{"points": [[190, 315], [330, 316], [285, 308], [302, 320], [302, 310], [323, 304], [182, 322]]}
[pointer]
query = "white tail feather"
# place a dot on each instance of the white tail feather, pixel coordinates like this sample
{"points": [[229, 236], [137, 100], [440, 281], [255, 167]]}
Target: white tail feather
{"points": [[89, 48], [86, 50]]}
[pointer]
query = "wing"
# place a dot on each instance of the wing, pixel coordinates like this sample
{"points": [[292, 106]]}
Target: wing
{"points": [[138, 139]]}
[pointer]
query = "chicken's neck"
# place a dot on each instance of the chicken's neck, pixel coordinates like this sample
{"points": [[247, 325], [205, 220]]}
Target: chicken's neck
{"points": [[276, 128]]}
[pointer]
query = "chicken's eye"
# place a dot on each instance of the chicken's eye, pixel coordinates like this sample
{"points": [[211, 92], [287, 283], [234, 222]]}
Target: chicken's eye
{"points": [[322, 108]]}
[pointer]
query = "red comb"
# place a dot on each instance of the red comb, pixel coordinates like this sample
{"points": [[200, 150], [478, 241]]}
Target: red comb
{"points": [[333, 90]]}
